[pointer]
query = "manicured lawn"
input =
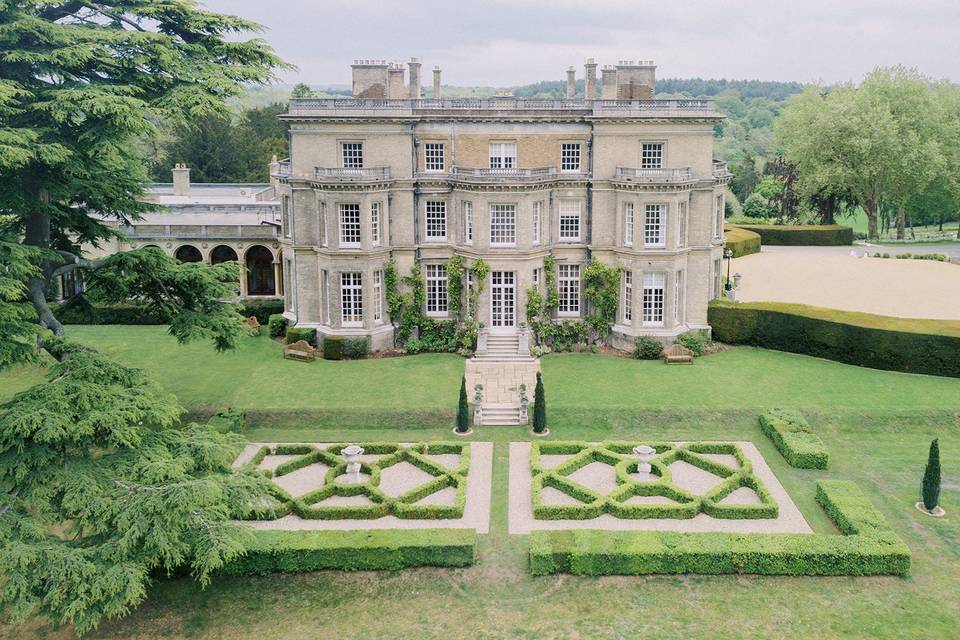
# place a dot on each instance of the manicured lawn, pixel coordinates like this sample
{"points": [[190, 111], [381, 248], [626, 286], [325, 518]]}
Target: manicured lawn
{"points": [[877, 426]]}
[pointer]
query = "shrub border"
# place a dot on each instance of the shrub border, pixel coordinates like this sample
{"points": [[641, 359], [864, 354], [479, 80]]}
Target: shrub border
{"points": [[867, 546], [791, 434], [355, 550]]}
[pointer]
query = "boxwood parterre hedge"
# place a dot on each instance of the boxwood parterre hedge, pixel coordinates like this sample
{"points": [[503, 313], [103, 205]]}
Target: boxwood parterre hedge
{"points": [[793, 438], [380, 504], [620, 456], [801, 234], [741, 241], [867, 546]]}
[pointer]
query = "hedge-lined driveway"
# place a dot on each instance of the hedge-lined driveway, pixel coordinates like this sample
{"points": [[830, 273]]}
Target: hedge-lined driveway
{"points": [[831, 277]]}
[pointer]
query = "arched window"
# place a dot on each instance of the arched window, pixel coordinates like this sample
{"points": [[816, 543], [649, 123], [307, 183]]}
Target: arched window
{"points": [[223, 253], [188, 253], [260, 277]]}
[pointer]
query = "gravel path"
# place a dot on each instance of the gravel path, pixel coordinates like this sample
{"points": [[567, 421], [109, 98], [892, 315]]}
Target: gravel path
{"points": [[831, 277]]}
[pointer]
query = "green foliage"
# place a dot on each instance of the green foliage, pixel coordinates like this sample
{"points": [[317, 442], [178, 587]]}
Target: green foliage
{"points": [[19, 333], [869, 547], [880, 342], [383, 549], [296, 334], [301, 90], [742, 242], [356, 347], [801, 234], [222, 148], [930, 489], [260, 309], [455, 286], [333, 347], [76, 124], [647, 348], [463, 408], [791, 434], [696, 341], [92, 456], [539, 407], [194, 298], [229, 420], [277, 325], [601, 292], [756, 206]]}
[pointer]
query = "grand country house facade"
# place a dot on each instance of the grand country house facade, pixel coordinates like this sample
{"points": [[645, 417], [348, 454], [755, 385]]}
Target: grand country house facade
{"points": [[387, 174]]}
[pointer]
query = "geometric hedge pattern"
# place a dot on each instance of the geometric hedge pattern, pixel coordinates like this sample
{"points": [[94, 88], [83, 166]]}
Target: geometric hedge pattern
{"points": [[658, 498], [335, 499]]}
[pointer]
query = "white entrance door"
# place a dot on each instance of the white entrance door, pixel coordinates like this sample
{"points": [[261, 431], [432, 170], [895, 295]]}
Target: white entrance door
{"points": [[502, 300]]}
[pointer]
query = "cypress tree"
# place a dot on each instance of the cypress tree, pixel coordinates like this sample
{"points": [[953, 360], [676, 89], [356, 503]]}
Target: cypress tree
{"points": [[931, 478], [463, 413], [539, 407]]}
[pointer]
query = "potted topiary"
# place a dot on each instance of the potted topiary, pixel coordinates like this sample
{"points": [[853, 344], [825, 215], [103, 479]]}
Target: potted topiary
{"points": [[463, 411], [539, 409], [930, 488]]}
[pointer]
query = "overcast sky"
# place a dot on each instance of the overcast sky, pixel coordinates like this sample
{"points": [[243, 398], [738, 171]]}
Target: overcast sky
{"points": [[503, 43]]}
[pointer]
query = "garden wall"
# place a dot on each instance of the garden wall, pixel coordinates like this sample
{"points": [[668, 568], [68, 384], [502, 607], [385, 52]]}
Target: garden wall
{"points": [[880, 342], [801, 234]]}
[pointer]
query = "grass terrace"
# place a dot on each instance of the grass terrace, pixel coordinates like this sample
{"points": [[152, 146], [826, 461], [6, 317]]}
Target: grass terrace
{"points": [[876, 426]]}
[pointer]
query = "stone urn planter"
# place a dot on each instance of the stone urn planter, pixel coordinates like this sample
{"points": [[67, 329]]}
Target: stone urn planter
{"points": [[351, 455], [645, 454]]}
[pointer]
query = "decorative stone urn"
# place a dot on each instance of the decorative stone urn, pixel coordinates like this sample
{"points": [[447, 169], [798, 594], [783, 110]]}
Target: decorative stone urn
{"points": [[351, 454], [644, 454]]}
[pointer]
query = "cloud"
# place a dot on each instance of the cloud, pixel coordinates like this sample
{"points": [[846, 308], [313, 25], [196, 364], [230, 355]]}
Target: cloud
{"points": [[502, 43]]}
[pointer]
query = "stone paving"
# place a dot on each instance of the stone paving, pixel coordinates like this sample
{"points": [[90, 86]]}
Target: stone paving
{"points": [[501, 380]]}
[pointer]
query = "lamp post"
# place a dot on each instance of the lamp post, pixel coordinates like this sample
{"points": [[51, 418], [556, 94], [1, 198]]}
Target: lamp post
{"points": [[728, 254]]}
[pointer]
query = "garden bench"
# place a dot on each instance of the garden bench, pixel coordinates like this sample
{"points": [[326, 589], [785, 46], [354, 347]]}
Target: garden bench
{"points": [[300, 350], [254, 325], [677, 354]]}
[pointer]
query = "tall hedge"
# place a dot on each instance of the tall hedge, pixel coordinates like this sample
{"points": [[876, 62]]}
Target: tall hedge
{"points": [[801, 234], [894, 344], [742, 241]]}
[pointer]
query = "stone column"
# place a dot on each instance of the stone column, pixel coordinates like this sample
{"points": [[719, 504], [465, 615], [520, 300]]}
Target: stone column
{"points": [[277, 278], [243, 274]]}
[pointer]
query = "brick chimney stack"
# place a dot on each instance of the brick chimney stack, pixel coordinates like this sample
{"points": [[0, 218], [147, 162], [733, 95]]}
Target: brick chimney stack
{"points": [[571, 82], [414, 66], [591, 88], [436, 82], [181, 179]]}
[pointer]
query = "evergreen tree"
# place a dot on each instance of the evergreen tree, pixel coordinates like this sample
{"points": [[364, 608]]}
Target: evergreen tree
{"points": [[931, 478], [463, 412], [83, 86], [539, 407]]}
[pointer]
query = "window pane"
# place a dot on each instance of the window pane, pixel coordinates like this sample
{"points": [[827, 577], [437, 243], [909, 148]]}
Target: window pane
{"points": [[568, 284], [627, 296], [351, 297], [433, 156], [352, 154], [570, 156], [628, 224], [350, 224], [375, 223], [503, 155], [436, 220], [569, 219], [503, 224], [436, 288], [653, 229], [653, 284], [652, 155]]}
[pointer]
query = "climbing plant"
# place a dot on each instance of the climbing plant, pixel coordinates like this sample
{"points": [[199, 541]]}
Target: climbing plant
{"points": [[601, 293], [455, 287]]}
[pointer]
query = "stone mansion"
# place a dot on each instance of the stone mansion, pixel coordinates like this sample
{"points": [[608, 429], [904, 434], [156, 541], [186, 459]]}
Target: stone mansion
{"points": [[388, 174]]}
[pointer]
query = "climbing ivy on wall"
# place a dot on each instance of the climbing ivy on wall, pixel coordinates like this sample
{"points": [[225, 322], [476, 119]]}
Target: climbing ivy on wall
{"points": [[601, 293]]}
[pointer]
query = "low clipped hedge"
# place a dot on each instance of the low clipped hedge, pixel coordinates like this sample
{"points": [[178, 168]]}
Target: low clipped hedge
{"points": [[867, 547], [277, 325], [741, 241], [307, 334], [801, 234], [791, 434], [261, 309], [880, 342], [333, 347], [376, 549]]}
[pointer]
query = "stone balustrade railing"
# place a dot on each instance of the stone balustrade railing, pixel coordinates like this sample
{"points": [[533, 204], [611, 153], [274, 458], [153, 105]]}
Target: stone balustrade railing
{"points": [[264, 231], [347, 174], [676, 174]]}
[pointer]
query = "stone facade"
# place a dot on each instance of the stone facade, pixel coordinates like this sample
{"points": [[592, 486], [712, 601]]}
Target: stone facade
{"points": [[631, 182]]}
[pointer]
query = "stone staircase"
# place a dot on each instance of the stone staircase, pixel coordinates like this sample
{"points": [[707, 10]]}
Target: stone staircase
{"points": [[495, 414], [495, 347]]}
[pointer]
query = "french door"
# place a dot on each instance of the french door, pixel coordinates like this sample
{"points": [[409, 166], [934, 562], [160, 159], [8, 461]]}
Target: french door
{"points": [[502, 299]]}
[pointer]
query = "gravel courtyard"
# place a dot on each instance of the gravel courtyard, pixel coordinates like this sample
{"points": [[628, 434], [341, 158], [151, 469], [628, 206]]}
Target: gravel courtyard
{"points": [[831, 277]]}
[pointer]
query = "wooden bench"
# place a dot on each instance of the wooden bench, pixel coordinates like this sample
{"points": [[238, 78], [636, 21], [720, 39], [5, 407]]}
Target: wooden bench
{"points": [[677, 354], [300, 350], [253, 325]]}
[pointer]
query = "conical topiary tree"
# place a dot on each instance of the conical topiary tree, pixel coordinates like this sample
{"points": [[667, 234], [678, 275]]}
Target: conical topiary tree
{"points": [[539, 407], [931, 478], [463, 413]]}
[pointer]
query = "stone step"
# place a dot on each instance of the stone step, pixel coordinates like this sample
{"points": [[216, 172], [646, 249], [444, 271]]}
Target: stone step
{"points": [[500, 414]]}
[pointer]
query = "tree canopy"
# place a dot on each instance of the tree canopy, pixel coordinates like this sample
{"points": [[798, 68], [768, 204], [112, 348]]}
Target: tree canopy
{"points": [[81, 85]]}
